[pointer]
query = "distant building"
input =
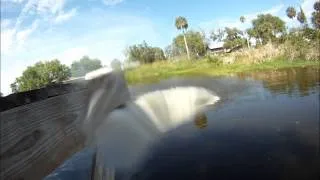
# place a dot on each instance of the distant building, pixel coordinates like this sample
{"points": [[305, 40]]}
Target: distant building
{"points": [[216, 47]]}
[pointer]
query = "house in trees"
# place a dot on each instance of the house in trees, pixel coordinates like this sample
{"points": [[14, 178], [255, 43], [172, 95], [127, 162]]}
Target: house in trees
{"points": [[218, 48]]}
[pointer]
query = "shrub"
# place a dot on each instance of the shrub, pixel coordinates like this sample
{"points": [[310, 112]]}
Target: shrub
{"points": [[300, 45], [257, 55], [213, 60]]}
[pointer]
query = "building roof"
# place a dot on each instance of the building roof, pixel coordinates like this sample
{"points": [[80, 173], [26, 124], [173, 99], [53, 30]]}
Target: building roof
{"points": [[214, 45]]}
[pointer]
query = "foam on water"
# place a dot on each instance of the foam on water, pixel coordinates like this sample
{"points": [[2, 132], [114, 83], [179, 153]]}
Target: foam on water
{"points": [[125, 135]]}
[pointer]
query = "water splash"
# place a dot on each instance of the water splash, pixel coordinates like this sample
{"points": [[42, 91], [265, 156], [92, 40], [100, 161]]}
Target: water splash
{"points": [[124, 136]]}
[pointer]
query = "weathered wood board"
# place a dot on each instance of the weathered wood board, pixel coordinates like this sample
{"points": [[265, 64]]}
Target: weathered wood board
{"points": [[37, 137]]}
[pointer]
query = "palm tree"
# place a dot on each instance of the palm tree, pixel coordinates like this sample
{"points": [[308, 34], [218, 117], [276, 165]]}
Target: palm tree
{"points": [[301, 17], [291, 12], [316, 15], [316, 6], [182, 24], [242, 20]]}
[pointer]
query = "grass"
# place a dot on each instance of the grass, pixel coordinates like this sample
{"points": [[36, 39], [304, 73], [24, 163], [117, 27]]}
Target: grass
{"points": [[150, 73]]}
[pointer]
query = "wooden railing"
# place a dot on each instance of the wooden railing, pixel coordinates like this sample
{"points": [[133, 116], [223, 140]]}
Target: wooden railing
{"points": [[41, 128]]}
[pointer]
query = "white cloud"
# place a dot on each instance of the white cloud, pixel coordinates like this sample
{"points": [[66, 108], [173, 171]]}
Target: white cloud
{"points": [[14, 1], [28, 39], [5, 23], [8, 77], [307, 6], [274, 10], [112, 2], [50, 6], [104, 41], [22, 35], [29, 8], [12, 38], [7, 40], [48, 10], [64, 16]]}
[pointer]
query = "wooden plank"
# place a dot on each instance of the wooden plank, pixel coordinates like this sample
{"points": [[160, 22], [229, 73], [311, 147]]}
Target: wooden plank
{"points": [[23, 98], [37, 137]]}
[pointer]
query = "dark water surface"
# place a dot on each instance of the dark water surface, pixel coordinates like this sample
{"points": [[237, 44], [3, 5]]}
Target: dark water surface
{"points": [[265, 127]]}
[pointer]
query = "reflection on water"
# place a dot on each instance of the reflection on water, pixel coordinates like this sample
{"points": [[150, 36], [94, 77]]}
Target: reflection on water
{"points": [[290, 81]]}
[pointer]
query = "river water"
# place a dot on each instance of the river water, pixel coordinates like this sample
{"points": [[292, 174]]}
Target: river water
{"points": [[265, 127]]}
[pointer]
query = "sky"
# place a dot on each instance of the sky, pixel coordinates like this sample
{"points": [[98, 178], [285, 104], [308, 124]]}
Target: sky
{"points": [[40, 30]]}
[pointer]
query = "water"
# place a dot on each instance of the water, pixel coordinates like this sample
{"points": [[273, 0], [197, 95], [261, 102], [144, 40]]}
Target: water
{"points": [[265, 126]]}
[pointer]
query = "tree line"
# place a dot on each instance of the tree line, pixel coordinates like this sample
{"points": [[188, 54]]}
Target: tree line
{"points": [[48, 72], [266, 28]]}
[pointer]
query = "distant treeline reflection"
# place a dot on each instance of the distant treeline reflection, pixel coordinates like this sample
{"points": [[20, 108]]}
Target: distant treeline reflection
{"points": [[290, 81]]}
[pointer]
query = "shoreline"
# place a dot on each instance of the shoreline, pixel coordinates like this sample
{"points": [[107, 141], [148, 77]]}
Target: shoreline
{"points": [[151, 73]]}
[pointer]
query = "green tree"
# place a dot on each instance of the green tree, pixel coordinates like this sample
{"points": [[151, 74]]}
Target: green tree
{"points": [[84, 65], [311, 34], [181, 23], [242, 20], [315, 19], [233, 37], [14, 87], [301, 17], [291, 12], [217, 36], [158, 54], [40, 75], [196, 43], [173, 51], [252, 34], [266, 27], [144, 53], [115, 64], [204, 38]]}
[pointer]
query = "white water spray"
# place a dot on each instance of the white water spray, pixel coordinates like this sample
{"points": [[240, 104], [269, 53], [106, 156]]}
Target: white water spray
{"points": [[126, 133]]}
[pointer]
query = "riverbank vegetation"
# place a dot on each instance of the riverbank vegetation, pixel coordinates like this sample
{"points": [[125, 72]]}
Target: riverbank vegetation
{"points": [[150, 73], [267, 44]]}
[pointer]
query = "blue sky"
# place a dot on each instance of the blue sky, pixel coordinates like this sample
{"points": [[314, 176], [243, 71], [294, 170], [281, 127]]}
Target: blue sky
{"points": [[34, 30]]}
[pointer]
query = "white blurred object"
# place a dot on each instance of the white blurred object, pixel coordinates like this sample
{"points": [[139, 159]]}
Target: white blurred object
{"points": [[107, 90], [97, 73], [125, 135]]}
